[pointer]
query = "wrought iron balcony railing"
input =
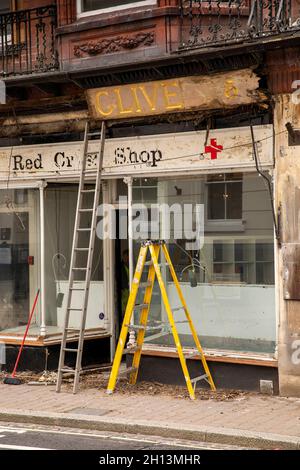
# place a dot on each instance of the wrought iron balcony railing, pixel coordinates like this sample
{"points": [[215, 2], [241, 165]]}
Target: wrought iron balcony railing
{"points": [[27, 41], [207, 23]]}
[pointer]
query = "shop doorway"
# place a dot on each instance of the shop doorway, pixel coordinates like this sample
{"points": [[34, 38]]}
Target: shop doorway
{"points": [[122, 272], [14, 269], [19, 259]]}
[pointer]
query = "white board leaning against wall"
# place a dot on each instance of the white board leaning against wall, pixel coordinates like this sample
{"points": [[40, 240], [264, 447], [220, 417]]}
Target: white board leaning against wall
{"points": [[195, 152]]}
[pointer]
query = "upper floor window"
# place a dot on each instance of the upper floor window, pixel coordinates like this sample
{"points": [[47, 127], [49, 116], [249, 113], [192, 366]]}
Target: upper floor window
{"points": [[224, 196], [4, 6], [5, 22], [87, 7]]}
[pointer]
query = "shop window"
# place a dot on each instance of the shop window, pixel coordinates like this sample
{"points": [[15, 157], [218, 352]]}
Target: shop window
{"points": [[19, 240], [224, 197], [92, 6], [4, 6], [232, 302], [145, 190], [60, 207]]}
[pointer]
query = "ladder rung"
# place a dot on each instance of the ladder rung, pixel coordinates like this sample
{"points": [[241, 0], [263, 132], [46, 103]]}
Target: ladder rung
{"points": [[141, 306], [197, 379], [86, 210], [143, 327], [71, 350], [151, 328], [79, 269], [88, 190], [176, 309], [129, 370], [81, 249], [131, 350], [79, 290], [75, 309], [150, 263], [87, 229], [94, 134], [146, 284], [68, 371], [136, 327], [182, 321]]}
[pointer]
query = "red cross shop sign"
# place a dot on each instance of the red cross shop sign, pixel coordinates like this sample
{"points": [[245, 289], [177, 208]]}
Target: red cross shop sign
{"points": [[213, 149]]}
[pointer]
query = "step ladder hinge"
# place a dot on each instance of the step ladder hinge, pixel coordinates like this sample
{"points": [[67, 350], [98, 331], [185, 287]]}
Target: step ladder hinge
{"points": [[127, 371], [141, 306], [197, 379]]}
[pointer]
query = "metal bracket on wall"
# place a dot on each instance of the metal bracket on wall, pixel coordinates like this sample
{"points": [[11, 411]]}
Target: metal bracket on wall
{"points": [[294, 135]]}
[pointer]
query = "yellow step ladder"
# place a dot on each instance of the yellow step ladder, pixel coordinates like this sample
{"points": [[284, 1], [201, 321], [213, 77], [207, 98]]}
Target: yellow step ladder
{"points": [[155, 248]]}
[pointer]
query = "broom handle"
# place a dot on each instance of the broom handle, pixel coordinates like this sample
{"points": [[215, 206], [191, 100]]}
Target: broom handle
{"points": [[25, 334]]}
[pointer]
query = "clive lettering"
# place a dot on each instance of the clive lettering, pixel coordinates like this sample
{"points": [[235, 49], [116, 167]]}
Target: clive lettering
{"points": [[126, 155], [144, 99], [23, 164]]}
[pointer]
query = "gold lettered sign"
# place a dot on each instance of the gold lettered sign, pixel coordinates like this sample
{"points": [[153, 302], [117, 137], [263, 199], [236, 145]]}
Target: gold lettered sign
{"points": [[223, 90]]}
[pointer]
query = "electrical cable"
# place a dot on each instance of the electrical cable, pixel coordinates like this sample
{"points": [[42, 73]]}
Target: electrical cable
{"points": [[269, 185], [65, 171]]}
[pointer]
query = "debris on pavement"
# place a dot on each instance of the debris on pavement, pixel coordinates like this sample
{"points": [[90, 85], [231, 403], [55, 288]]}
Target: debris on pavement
{"points": [[98, 379]]}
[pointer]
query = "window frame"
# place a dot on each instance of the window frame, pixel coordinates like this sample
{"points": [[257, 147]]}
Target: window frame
{"points": [[224, 182], [134, 4], [9, 35], [222, 225]]}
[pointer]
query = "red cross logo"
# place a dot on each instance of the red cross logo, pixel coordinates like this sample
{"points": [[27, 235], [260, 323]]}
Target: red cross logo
{"points": [[213, 149]]}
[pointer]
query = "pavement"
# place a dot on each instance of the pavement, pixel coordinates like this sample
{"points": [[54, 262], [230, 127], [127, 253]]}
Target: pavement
{"points": [[247, 420]]}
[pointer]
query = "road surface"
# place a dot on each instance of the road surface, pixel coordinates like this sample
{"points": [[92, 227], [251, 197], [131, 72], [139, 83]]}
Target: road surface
{"points": [[34, 437]]}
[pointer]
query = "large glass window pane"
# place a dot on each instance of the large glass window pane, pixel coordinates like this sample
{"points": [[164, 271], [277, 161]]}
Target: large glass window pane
{"points": [[19, 258], [60, 209], [224, 200], [229, 282]]}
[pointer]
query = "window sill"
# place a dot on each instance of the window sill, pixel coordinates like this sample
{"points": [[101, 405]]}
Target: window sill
{"points": [[214, 355], [116, 9], [103, 19]]}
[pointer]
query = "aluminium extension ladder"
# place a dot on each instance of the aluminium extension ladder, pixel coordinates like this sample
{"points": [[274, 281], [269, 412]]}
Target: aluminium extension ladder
{"points": [[155, 248], [87, 252]]}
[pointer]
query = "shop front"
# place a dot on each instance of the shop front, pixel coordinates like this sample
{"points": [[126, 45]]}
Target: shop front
{"points": [[228, 279]]}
